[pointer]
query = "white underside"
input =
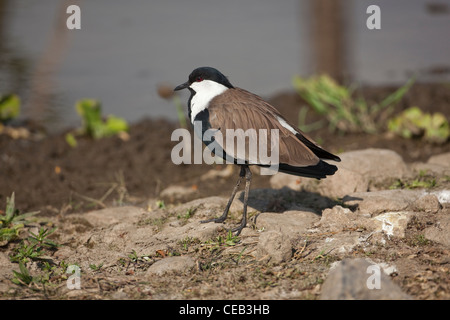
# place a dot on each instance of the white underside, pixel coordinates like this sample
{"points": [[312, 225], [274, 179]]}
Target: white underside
{"points": [[205, 92]]}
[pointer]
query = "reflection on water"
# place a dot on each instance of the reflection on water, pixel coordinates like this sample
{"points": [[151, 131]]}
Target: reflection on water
{"points": [[125, 49]]}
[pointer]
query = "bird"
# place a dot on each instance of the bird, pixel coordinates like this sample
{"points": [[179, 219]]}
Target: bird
{"points": [[219, 107]]}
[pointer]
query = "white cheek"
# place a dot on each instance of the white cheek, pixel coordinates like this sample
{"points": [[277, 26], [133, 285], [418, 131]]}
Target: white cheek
{"points": [[205, 90]]}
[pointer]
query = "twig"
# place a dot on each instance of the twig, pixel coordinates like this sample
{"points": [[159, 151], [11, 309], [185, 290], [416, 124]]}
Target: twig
{"points": [[101, 204]]}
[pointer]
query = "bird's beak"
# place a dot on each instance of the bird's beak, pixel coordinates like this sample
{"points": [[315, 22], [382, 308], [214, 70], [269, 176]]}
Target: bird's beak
{"points": [[181, 86]]}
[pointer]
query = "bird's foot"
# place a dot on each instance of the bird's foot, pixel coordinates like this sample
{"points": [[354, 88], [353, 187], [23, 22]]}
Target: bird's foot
{"points": [[216, 220], [237, 230]]}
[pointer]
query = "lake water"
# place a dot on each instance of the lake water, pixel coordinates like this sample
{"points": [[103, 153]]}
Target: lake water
{"points": [[125, 49]]}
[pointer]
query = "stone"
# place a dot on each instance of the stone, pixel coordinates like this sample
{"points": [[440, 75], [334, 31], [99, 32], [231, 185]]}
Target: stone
{"points": [[440, 232], [338, 218], [376, 202], [440, 159], [392, 223], [443, 196], [203, 206], [109, 216], [6, 272], [357, 279], [194, 229], [341, 243], [359, 171], [289, 223], [430, 168], [171, 264], [273, 247], [428, 203], [176, 192]]}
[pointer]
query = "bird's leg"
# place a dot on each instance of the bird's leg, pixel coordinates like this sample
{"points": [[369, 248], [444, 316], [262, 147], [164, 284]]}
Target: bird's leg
{"points": [[248, 179], [227, 208]]}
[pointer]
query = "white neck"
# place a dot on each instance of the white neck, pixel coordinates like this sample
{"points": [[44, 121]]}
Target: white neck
{"points": [[205, 90]]}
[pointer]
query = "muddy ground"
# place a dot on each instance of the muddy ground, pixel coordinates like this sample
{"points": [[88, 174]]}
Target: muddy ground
{"points": [[48, 175]]}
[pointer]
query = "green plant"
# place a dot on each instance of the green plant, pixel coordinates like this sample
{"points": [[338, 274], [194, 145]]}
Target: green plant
{"points": [[9, 107], [25, 252], [134, 257], [93, 124], [186, 242], [414, 123], [41, 238], [416, 183], [160, 204], [71, 140], [187, 215], [94, 267], [23, 277], [343, 112], [11, 222], [229, 240], [419, 240]]}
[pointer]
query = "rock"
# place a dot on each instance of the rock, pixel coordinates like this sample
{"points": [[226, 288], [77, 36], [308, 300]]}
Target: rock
{"points": [[210, 207], [429, 168], [345, 181], [273, 247], [440, 159], [176, 193], [387, 268], [203, 208], [195, 229], [6, 272], [357, 279], [109, 216], [428, 203], [440, 232], [338, 218], [381, 201], [341, 243], [443, 196], [359, 171], [437, 164], [392, 223], [171, 264], [289, 223]]}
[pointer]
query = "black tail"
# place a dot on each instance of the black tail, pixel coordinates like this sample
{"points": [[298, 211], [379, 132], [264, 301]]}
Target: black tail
{"points": [[318, 151], [318, 171]]}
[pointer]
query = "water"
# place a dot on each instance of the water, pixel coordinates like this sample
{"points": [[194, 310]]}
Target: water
{"points": [[126, 49]]}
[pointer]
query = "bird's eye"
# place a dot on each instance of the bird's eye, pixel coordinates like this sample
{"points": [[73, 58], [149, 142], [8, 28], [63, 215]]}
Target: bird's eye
{"points": [[199, 79]]}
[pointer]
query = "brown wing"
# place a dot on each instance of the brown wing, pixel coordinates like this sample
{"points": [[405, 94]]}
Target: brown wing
{"points": [[240, 109]]}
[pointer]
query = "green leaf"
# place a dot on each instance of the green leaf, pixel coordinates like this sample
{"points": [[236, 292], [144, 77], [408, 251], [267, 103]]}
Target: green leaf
{"points": [[93, 123], [23, 277], [71, 140], [90, 112], [398, 94], [413, 122], [115, 125], [10, 207], [9, 107]]}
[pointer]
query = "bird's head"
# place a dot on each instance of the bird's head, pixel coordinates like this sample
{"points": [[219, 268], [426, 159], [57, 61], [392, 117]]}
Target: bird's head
{"points": [[204, 78]]}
